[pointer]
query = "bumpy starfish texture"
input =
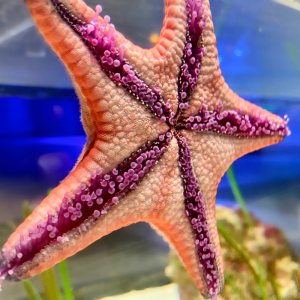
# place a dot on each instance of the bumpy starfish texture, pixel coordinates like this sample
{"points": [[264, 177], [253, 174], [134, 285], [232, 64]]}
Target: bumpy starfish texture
{"points": [[162, 129]]}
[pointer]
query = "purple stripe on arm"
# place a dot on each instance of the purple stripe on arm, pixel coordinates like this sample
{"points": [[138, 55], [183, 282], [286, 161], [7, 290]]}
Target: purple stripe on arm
{"points": [[101, 39], [195, 211], [104, 192], [193, 51], [233, 123]]}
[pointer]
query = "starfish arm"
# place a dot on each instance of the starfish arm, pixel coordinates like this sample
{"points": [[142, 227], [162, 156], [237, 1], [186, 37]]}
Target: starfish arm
{"points": [[212, 89], [83, 208], [67, 30], [211, 156]]}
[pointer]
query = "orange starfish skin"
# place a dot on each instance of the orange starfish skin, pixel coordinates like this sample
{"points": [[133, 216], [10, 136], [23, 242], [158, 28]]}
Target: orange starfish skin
{"points": [[117, 125]]}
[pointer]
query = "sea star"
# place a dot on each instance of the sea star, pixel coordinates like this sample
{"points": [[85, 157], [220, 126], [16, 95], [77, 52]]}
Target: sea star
{"points": [[162, 128]]}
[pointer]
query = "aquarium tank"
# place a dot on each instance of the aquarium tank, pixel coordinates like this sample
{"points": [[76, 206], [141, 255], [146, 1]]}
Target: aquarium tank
{"points": [[258, 199]]}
